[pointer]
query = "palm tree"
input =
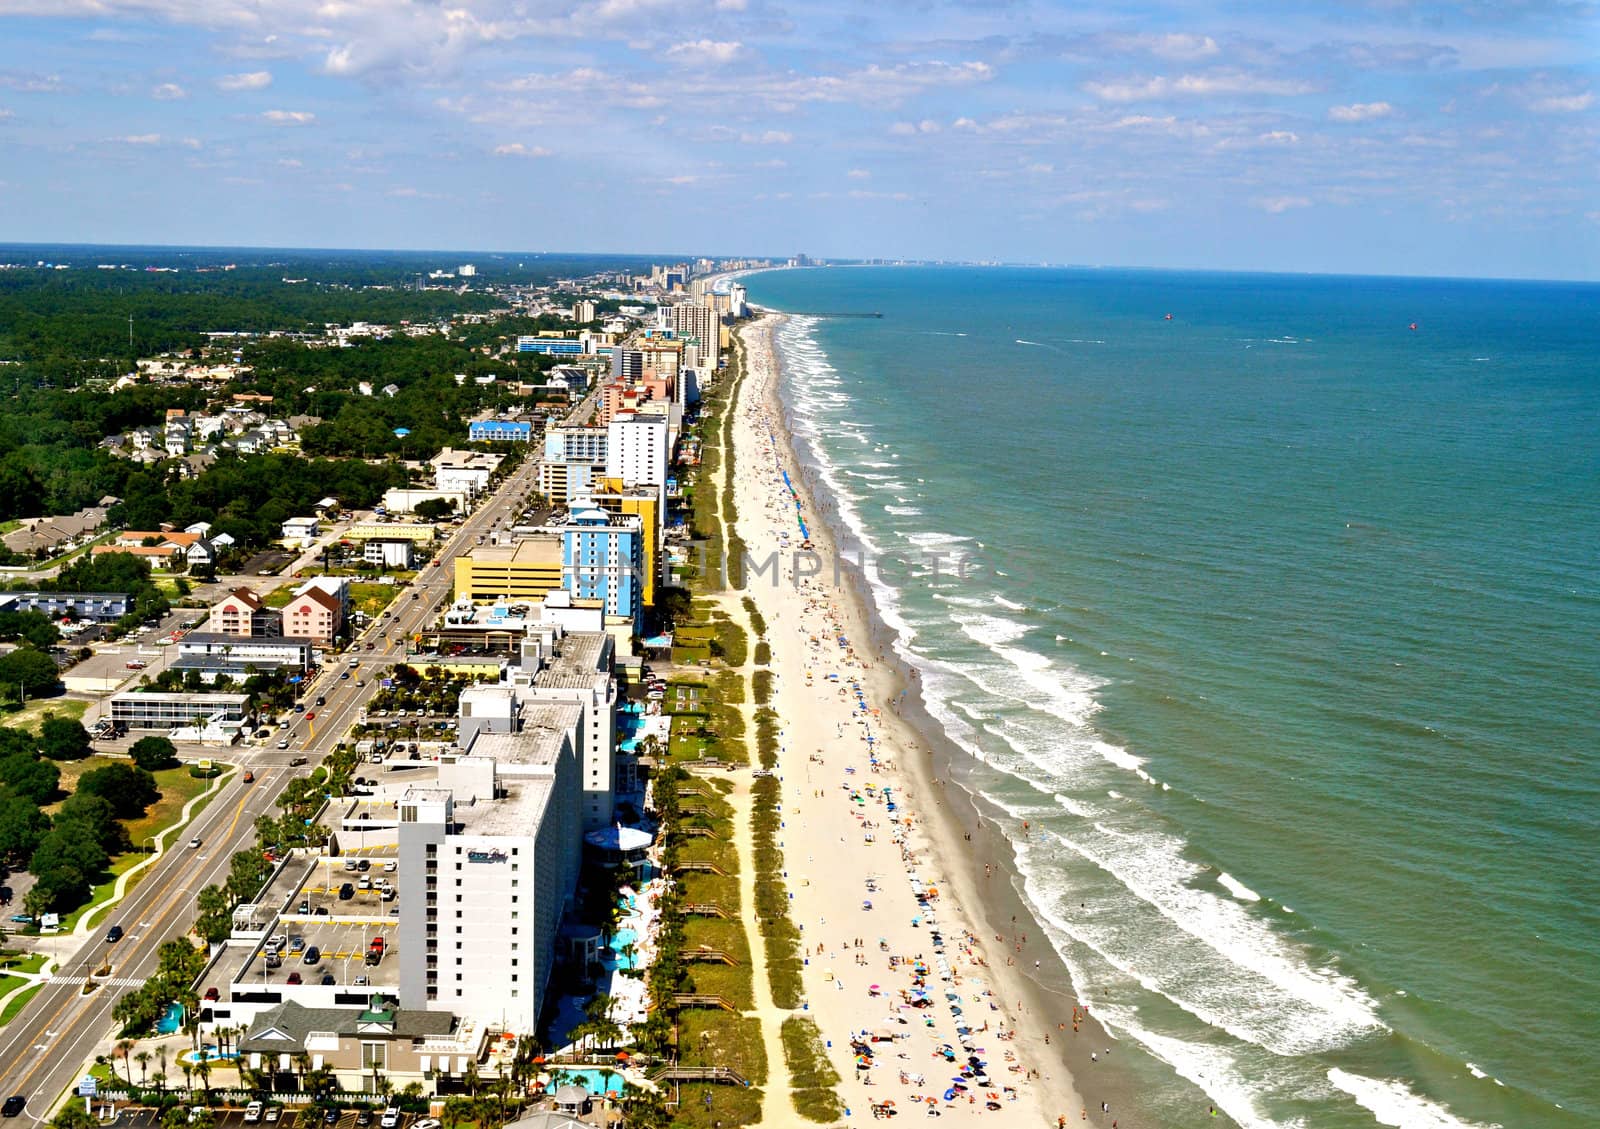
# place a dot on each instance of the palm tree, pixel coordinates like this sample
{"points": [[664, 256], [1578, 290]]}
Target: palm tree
{"points": [[302, 1067], [143, 1059], [161, 1057], [160, 1079], [188, 1074], [456, 1110], [470, 1079], [203, 1068], [123, 1049]]}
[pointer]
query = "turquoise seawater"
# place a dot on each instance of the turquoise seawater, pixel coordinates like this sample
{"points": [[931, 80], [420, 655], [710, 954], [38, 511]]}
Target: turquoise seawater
{"points": [[1281, 628]]}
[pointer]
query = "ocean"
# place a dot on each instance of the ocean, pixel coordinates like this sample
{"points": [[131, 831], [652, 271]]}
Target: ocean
{"points": [[1277, 620]]}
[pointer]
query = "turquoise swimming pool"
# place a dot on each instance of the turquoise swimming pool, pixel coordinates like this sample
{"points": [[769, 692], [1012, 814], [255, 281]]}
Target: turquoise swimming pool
{"points": [[591, 1080], [170, 1020]]}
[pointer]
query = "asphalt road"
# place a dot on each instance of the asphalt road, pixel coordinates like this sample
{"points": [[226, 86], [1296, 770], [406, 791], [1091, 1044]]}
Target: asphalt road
{"points": [[44, 1048]]}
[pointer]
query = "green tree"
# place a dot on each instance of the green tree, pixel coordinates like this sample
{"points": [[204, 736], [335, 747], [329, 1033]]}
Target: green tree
{"points": [[129, 790], [30, 670], [434, 509], [28, 776], [214, 921], [73, 1116], [63, 738], [22, 827], [154, 753], [86, 814], [67, 863]]}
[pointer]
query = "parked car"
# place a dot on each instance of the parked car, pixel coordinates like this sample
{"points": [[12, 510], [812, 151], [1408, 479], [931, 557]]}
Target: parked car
{"points": [[252, 1112], [391, 1118], [273, 1113], [212, 995], [312, 956], [346, 892], [294, 978]]}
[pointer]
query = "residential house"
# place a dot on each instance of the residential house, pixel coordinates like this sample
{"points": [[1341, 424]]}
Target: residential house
{"points": [[164, 549], [301, 532]]}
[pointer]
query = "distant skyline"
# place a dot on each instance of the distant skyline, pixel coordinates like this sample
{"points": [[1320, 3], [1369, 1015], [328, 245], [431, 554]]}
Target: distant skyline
{"points": [[1386, 137]]}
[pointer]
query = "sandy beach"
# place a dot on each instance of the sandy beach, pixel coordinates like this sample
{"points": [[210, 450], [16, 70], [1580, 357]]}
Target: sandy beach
{"points": [[929, 1009]]}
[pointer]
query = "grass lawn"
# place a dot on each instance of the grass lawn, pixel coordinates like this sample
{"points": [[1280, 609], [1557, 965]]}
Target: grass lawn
{"points": [[279, 596], [29, 962], [712, 888], [372, 598], [730, 1106], [9, 982], [712, 1037], [32, 714], [731, 982], [17, 1003]]}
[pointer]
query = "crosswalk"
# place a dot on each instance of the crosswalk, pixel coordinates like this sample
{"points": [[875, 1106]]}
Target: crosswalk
{"points": [[110, 981]]}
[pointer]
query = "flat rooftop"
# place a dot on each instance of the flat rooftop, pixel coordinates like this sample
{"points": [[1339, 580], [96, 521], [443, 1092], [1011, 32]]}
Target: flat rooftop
{"points": [[541, 546], [516, 813]]}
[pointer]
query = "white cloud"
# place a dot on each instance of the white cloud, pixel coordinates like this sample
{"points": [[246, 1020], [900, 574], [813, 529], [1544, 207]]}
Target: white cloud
{"points": [[1360, 111], [767, 137], [1277, 205], [137, 139], [250, 80], [6, 114], [289, 117], [169, 92], [775, 163], [1564, 103], [1194, 85], [289, 163], [1280, 137], [1179, 46], [190, 143], [518, 149], [706, 52], [30, 83], [859, 174], [903, 129]]}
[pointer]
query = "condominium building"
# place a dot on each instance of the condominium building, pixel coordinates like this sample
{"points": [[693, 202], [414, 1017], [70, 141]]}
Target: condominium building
{"points": [[488, 863], [698, 326], [602, 558], [638, 450]]}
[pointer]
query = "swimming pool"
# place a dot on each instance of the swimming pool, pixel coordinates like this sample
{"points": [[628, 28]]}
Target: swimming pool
{"points": [[591, 1080], [171, 1019]]}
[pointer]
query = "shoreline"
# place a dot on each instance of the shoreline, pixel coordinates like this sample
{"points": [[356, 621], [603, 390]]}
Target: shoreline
{"points": [[980, 878]]}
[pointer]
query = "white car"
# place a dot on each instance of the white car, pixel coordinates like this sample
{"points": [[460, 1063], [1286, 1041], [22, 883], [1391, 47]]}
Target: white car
{"points": [[426, 1123], [390, 1118], [194, 844], [252, 1112]]}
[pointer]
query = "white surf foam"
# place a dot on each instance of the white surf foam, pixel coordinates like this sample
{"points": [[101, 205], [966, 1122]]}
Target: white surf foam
{"points": [[1238, 889], [1395, 1103], [1012, 604], [903, 511]]}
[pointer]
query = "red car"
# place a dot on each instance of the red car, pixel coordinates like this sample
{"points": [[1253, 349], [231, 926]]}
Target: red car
{"points": [[212, 995], [310, 715]]}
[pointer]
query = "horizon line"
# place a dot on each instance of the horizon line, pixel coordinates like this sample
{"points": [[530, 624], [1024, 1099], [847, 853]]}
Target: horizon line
{"points": [[879, 261]]}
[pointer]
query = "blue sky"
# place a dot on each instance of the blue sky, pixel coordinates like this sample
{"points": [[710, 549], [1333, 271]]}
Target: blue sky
{"points": [[1387, 137]]}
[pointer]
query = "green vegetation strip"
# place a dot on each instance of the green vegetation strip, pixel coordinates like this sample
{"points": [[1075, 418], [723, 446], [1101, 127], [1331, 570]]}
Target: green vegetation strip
{"points": [[772, 897], [812, 1077]]}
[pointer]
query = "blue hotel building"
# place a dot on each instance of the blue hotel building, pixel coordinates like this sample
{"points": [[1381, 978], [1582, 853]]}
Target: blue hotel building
{"points": [[602, 558]]}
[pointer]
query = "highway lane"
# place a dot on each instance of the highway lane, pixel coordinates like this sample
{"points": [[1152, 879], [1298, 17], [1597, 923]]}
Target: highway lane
{"points": [[43, 1050]]}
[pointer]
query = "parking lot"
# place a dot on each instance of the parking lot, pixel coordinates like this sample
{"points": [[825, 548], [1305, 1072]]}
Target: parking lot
{"points": [[341, 949], [139, 1118]]}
